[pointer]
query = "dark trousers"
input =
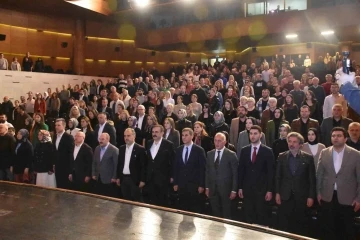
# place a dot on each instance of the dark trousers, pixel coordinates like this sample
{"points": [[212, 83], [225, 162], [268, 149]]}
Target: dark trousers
{"points": [[129, 190], [105, 189], [256, 209], [157, 193], [292, 216], [78, 184], [62, 180], [220, 204], [190, 199], [337, 220]]}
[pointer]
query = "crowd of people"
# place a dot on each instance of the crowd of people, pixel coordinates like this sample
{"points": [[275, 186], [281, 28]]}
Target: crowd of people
{"points": [[216, 133]]}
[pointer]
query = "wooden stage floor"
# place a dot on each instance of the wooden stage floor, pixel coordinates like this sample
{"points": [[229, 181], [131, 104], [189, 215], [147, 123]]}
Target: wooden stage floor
{"points": [[28, 212]]}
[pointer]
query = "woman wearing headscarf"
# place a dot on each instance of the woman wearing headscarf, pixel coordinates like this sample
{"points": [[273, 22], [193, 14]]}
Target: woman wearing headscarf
{"points": [[272, 126], [44, 156], [23, 157], [313, 147], [72, 127], [280, 145], [219, 124], [38, 124], [182, 122], [132, 121]]}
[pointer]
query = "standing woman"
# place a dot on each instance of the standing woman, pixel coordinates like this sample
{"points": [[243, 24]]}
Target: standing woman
{"points": [[201, 137], [92, 89], [85, 127], [40, 104], [38, 124], [206, 117], [92, 114], [44, 156], [171, 133], [23, 157], [291, 111], [272, 126], [280, 145], [315, 109], [219, 124], [197, 108], [150, 122], [121, 124], [190, 115], [73, 129], [312, 146], [54, 105], [228, 111]]}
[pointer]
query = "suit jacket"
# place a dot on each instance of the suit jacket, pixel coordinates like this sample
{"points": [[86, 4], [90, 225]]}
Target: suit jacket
{"points": [[107, 167], [302, 183], [296, 125], [81, 165], [270, 132], [225, 179], [306, 149], [327, 126], [159, 169], [193, 172], [136, 166], [109, 112], [256, 176], [85, 99], [64, 155], [107, 129], [143, 125], [243, 141], [174, 137], [347, 179], [234, 131]]}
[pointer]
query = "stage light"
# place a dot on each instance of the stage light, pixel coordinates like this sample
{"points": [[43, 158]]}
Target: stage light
{"points": [[290, 36], [328, 32], [142, 3]]}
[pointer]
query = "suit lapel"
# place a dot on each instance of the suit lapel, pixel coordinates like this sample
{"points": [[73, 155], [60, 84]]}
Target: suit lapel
{"points": [[331, 162], [346, 156]]}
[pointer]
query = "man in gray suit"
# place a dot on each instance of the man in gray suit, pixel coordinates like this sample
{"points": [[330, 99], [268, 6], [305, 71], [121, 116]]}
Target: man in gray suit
{"points": [[337, 120], [104, 166], [338, 187], [221, 177]]}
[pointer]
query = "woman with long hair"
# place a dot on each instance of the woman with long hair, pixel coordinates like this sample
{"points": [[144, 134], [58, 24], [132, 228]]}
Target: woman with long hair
{"points": [[168, 99], [315, 109], [291, 110], [179, 105], [272, 126], [40, 104], [44, 156], [170, 132], [74, 112], [190, 115], [220, 87], [228, 111], [281, 99], [121, 124], [150, 122], [201, 137], [219, 124], [252, 111], [21, 165], [54, 105], [92, 114], [280, 145], [85, 127], [72, 128], [132, 121], [196, 107], [92, 89], [38, 124], [206, 117], [75, 92], [312, 146]]}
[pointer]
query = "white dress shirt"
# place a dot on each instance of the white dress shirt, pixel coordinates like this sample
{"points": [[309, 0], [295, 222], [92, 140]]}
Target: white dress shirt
{"points": [[140, 121], [155, 148], [252, 149], [101, 129], [221, 153], [58, 139], [184, 151], [128, 152], [76, 150], [337, 159]]}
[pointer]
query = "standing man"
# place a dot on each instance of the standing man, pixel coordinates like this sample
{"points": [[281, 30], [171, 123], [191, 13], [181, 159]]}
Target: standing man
{"points": [[302, 124], [161, 155], [238, 125], [295, 186], [4, 64], [199, 92], [189, 173], [131, 172], [338, 187], [318, 91], [64, 153], [80, 168], [221, 177], [104, 166], [354, 136], [141, 119], [7, 150], [105, 127], [256, 172], [334, 98]]}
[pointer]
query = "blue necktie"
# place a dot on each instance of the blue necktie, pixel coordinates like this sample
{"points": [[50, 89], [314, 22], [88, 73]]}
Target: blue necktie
{"points": [[186, 155]]}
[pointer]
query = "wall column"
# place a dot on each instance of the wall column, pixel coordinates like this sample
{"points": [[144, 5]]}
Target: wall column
{"points": [[79, 47]]}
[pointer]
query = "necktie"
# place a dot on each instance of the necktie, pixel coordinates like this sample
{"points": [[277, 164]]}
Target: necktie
{"points": [[114, 108], [217, 160], [186, 155], [253, 158]]}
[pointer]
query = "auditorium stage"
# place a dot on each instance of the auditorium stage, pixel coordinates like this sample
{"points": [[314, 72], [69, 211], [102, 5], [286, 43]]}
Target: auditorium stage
{"points": [[29, 212]]}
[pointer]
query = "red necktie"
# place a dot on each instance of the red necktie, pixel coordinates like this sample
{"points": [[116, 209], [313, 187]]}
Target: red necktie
{"points": [[253, 158]]}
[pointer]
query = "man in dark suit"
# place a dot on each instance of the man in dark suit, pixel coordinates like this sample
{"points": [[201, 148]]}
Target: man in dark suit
{"points": [[295, 186], [141, 118], [337, 120], [302, 124], [105, 127], [202, 98], [131, 172], [256, 172], [83, 97], [80, 168], [189, 173], [221, 177], [104, 166], [64, 153], [161, 154], [103, 108], [338, 187]]}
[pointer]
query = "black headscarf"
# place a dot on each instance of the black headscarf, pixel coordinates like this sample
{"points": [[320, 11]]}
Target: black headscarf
{"points": [[277, 122], [316, 141]]}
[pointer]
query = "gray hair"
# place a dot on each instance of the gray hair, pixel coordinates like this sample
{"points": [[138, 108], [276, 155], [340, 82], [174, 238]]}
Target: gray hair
{"points": [[297, 135]]}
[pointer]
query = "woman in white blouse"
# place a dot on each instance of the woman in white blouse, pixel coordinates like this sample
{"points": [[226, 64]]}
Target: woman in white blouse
{"points": [[313, 147], [168, 99]]}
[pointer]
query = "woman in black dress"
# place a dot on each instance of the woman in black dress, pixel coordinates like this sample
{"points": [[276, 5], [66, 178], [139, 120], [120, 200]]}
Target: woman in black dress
{"points": [[121, 124], [206, 117], [85, 127], [291, 111], [280, 145], [219, 124], [228, 111], [23, 157], [201, 137]]}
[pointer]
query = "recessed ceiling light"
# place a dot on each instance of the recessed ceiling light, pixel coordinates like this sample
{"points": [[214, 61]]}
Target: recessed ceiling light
{"points": [[328, 32], [291, 36]]}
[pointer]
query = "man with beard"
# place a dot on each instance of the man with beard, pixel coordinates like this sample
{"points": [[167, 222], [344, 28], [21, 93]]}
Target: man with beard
{"points": [[237, 125]]}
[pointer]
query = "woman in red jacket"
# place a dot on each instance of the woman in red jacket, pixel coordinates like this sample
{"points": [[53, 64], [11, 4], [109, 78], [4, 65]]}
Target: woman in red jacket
{"points": [[40, 104]]}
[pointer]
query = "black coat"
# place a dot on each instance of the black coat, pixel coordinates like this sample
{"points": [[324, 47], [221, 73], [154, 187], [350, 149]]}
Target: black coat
{"points": [[193, 171], [63, 156], [90, 139], [120, 127], [23, 158], [81, 167], [180, 125], [207, 143], [107, 129], [200, 93], [137, 165], [215, 129], [44, 157]]}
